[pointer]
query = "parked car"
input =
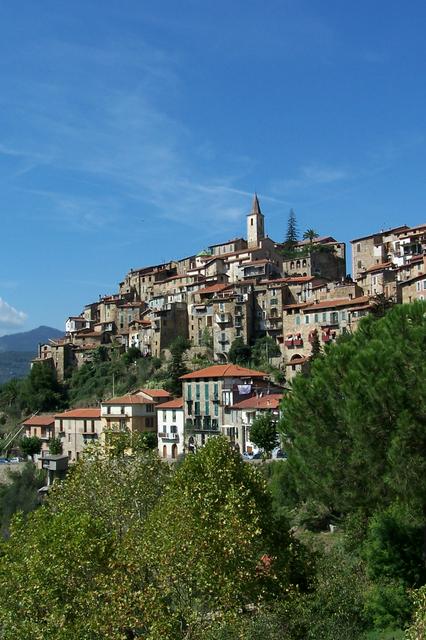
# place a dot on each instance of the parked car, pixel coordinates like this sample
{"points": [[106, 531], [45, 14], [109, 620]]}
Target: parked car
{"points": [[279, 453], [4, 461]]}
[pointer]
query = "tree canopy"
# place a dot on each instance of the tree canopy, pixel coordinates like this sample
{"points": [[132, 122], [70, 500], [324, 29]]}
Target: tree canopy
{"points": [[356, 425], [263, 432], [123, 548]]}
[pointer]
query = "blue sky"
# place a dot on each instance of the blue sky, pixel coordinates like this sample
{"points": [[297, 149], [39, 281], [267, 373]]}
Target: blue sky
{"points": [[133, 132]]}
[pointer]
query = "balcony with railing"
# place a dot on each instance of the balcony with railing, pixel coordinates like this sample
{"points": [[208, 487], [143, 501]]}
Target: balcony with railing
{"points": [[166, 435], [222, 318]]}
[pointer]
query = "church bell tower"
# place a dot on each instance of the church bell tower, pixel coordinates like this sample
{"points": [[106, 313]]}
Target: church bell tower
{"points": [[255, 224]]}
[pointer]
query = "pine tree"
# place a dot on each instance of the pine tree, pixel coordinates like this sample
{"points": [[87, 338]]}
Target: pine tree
{"points": [[292, 234]]}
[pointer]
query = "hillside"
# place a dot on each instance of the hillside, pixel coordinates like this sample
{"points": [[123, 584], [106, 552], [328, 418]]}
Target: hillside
{"points": [[14, 364], [28, 340], [17, 349]]}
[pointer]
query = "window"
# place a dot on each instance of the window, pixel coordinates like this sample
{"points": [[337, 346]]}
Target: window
{"points": [[197, 391], [358, 248], [297, 320], [316, 318], [174, 415], [150, 408], [206, 391], [324, 317], [359, 264], [307, 319], [69, 437], [189, 392]]}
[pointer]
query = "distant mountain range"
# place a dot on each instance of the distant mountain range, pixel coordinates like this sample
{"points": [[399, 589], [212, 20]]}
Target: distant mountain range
{"points": [[17, 350], [28, 340]]}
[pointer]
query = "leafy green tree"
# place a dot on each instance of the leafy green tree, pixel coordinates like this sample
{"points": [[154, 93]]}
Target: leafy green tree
{"points": [[263, 349], [263, 433], [58, 566], [177, 367], [206, 544], [207, 338], [41, 391], [55, 446], [19, 493], [132, 354], [30, 445], [239, 352], [417, 630]]}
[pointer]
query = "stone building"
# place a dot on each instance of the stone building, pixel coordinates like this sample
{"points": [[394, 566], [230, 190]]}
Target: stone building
{"points": [[208, 395], [326, 318], [77, 428]]}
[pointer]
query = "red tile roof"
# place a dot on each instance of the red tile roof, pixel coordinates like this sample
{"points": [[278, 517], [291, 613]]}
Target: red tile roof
{"points": [[214, 288], [128, 399], [176, 403], [83, 412], [156, 393], [384, 232], [340, 302], [377, 267], [224, 371], [268, 401], [40, 421]]}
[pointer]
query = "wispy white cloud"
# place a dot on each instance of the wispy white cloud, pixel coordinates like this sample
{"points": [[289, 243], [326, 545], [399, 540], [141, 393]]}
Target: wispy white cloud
{"points": [[9, 316], [311, 176], [129, 146]]}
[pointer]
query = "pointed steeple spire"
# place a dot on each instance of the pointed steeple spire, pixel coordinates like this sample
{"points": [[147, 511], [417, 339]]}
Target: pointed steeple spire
{"points": [[255, 208]]}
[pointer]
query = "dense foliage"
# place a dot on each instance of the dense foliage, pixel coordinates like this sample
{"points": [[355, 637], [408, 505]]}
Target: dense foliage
{"points": [[124, 549], [356, 440]]}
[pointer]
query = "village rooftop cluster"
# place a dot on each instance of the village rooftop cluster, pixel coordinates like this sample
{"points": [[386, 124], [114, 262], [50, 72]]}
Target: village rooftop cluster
{"points": [[242, 288]]}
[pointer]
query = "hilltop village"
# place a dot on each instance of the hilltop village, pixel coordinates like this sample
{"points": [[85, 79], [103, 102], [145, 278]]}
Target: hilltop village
{"points": [[242, 289]]}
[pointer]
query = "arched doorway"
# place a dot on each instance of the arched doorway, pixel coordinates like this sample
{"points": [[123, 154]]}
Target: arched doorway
{"points": [[174, 451], [164, 451]]}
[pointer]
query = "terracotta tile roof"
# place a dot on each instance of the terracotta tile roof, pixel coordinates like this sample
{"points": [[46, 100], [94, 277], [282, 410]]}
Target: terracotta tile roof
{"points": [[214, 288], [384, 232], [418, 275], [176, 403], [268, 401], [156, 393], [128, 399], [339, 302], [83, 412], [88, 334], [254, 263], [224, 371], [377, 267], [420, 228], [40, 421], [296, 305]]}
